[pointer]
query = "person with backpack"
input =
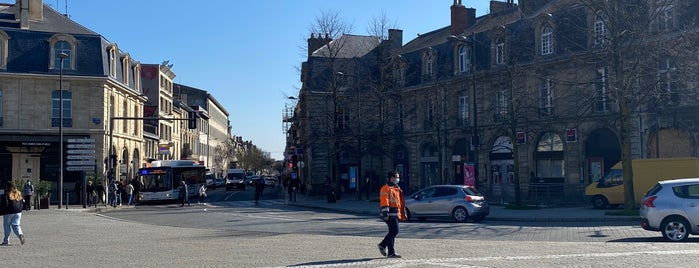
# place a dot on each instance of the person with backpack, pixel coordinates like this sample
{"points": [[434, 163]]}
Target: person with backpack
{"points": [[28, 192]]}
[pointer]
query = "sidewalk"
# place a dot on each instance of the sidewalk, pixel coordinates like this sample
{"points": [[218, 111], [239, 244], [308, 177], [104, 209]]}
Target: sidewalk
{"points": [[350, 204]]}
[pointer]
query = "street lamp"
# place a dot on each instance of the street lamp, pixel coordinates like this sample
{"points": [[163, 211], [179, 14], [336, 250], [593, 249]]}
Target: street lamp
{"points": [[61, 57]]}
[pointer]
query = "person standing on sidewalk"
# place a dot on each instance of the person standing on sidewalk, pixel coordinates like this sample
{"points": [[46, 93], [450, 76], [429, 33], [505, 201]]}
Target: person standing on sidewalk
{"points": [[28, 192], [392, 210], [129, 193], [11, 208]]}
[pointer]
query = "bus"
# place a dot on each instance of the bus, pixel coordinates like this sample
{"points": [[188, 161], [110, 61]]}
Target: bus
{"points": [[161, 180]]}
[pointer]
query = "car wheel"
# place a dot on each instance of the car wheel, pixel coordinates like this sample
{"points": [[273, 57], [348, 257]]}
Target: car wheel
{"points": [[675, 229], [460, 214], [600, 202]]}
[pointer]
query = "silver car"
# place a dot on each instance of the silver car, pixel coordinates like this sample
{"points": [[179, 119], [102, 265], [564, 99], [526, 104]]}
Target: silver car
{"points": [[458, 202], [672, 207]]}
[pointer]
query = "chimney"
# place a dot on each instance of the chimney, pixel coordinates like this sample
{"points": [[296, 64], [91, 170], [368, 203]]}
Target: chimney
{"points": [[27, 10], [314, 43], [461, 18], [395, 38]]}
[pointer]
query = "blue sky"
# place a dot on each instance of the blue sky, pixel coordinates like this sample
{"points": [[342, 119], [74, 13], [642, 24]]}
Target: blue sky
{"points": [[246, 53]]}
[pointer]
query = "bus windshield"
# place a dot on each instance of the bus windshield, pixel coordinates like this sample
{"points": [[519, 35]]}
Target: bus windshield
{"points": [[154, 180]]}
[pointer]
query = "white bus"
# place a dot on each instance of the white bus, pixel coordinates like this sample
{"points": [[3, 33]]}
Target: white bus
{"points": [[161, 180]]}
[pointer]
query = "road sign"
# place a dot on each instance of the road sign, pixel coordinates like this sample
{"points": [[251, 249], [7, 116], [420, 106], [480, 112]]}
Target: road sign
{"points": [[80, 152], [80, 168], [80, 156], [79, 162], [81, 140], [81, 145]]}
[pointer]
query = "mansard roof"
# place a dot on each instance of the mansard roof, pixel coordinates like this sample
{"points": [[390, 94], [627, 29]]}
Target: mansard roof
{"points": [[53, 22], [348, 46]]}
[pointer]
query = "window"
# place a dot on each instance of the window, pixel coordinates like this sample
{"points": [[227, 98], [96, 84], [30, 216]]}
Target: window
{"points": [[137, 77], [600, 29], [428, 66], [599, 91], [546, 98], [663, 17], [62, 43], [547, 40], [126, 68], [463, 111], [464, 59], [500, 53], [56, 108], [429, 112], [501, 106], [549, 163], [112, 61], [3, 49], [666, 83], [1, 108]]}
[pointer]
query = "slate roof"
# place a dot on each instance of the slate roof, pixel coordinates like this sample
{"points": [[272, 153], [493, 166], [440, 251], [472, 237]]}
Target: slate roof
{"points": [[53, 22], [348, 46]]}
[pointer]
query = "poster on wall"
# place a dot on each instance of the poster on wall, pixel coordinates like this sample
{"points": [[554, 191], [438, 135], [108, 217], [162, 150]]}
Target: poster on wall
{"points": [[469, 174]]}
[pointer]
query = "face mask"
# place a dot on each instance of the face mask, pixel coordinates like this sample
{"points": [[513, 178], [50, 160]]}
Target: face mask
{"points": [[397, 181]]}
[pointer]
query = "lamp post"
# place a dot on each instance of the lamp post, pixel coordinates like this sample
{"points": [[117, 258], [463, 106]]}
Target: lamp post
{"points": [[61, 57]]}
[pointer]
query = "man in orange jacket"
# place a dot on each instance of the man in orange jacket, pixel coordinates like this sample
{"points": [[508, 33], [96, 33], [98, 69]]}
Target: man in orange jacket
{"points": [[392, 210]]}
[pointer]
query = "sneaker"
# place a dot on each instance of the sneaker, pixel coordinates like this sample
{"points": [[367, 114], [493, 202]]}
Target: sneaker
{"points": [[382, 250], [394, 255], [21, 239], [5, 243]]}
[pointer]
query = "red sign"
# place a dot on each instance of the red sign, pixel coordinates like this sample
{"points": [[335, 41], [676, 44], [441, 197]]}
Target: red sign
{"points": [[521, 137], [572, 135]]}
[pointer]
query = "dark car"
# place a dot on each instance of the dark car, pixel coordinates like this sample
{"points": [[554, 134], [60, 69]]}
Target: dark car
{"points": [[459, 202]]}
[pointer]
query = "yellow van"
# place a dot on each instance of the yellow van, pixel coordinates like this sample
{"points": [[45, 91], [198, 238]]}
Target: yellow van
{"points": [[609, 190]]}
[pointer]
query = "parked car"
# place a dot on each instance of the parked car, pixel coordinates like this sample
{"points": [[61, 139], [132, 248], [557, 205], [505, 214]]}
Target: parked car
{"points": [[210, 181], [219, 182], [253, 180], [271, 181], [672, 207], [458, 202]]}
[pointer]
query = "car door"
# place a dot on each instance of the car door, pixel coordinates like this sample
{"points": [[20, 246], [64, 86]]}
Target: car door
{"points": [[443, 201], [690, 204], [420, 201]]}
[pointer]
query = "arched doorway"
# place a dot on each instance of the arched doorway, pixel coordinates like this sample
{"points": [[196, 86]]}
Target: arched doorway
{"points": [[673, 142], [123, 165], [135, 163], [603, 150]]}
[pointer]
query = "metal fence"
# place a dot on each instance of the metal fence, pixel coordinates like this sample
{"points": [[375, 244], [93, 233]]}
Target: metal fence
{"points": [[540, 194]]}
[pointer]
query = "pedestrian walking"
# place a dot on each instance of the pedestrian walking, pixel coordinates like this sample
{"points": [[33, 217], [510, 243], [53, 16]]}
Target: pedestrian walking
{"points": [[99, 189], [202, 193], [259, 188], [11, 207], [392, 204], [129, 193], [291, 188], [183, 194], [28, 192], [113, 193], [90, 191]]}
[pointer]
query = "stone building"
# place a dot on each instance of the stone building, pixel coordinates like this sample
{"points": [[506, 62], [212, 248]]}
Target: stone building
{"points": [[526, 91], [96, 82]]}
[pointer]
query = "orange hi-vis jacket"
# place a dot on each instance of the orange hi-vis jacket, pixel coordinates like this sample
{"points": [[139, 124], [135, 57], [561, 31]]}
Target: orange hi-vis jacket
{"points": [[392, 201]]}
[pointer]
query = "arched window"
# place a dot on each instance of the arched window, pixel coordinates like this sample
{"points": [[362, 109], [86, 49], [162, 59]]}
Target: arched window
{"points": [[56, 108], [549, 156], [546, 40], [62, 43]]}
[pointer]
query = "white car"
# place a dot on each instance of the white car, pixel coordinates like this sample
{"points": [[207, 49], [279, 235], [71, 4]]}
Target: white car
{"points": [[672, 207]]}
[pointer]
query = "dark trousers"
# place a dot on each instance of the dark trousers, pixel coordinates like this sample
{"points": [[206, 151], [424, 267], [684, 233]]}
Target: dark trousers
{"points": [[27, 202], [390, 239], [258, 194]]}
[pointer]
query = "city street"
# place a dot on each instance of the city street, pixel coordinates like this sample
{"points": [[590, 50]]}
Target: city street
{"points": [[240, 233]]}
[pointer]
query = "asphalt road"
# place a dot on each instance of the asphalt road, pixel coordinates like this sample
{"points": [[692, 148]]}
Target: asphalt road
{"points": [[239, 233]]}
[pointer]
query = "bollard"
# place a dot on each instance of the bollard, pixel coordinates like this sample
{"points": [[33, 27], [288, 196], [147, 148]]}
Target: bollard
{"points": [[67, 196]]}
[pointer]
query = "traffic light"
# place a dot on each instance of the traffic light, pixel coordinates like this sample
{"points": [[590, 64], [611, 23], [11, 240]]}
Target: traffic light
{"points": [[192, 120]]}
